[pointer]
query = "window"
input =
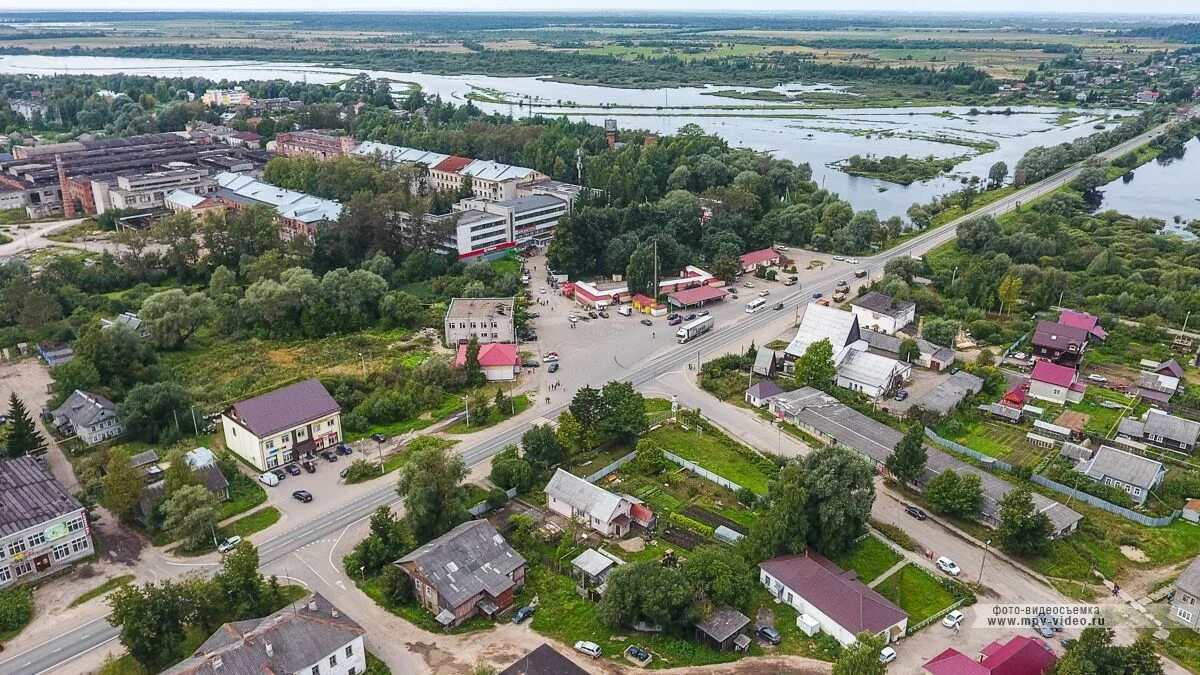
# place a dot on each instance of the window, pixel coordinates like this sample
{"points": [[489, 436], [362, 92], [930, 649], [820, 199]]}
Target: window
{"points": [[80, 544], [37, 539], [1183, 614], [5, 575], [271, 444], [15, 547], [349, 651], [316, 670], [61, 551], [24, 568], [332, 660]]}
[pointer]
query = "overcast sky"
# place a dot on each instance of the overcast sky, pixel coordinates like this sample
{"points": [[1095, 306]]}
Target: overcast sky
{"points": [[1065, 6]]}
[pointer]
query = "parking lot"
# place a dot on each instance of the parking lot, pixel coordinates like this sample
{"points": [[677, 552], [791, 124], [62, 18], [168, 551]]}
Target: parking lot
{"points": [[326, 486]]}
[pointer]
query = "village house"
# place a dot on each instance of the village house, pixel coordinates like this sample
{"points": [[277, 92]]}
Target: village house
{"points": [[1185, 600], [498, 361], [842, 605], [883, 313], [543, 661], [1132, 473], [1159, 384], [571, 496], [1055, 383], [1022, 655], [724, 630], [467, 571], [753, 260], [130, 321], [929, 355], [857, 369], [1161, 430], [1059, 343], [89, 416], [281, 426]]}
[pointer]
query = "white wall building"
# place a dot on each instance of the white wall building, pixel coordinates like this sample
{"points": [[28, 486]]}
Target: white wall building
{"points": [[282, 426], [43, 528]]}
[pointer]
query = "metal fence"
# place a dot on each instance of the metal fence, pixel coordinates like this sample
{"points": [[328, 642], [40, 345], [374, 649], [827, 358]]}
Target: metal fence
{"points": [[482, 507], [701, 471], [610, 468], [936, 617], [957, 447]]}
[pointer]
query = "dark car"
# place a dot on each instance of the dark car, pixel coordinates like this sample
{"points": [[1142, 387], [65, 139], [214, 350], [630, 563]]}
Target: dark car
{"points": [[279, 473], [674, 322], [647, 322], [343, 449], [603, 314], [593, 315], [769, 635], [553, 367], [309, 466], [817, 295], [915, 512], [641, 655], [329, 456], [302, 496], [672, 316], [523, 613], [344, 471], [690, 317], [378, 438], [778, 306], [531, 363], [529, 337], [902, 394], [292, 469]]}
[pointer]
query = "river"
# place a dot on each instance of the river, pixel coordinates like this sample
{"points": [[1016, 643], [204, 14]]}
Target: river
{"points": [[1165, 188], [820, 137]]}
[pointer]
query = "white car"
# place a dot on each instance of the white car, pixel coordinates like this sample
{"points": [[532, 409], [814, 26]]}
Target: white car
{"points": [[573, 319], [229, 544], [948, 566], [952, 619], [550, 357], [590, 648], [838, 257], [543, 290], [852, 261], [763, 294], [782, 248], [887, 655], [1097, 378], [749, 284]]}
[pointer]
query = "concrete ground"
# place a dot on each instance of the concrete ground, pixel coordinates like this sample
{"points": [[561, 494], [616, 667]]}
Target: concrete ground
{"points": [[923, 382]]}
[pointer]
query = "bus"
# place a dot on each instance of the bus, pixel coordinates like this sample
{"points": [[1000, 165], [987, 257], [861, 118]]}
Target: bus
{"points": [[755, 305]]}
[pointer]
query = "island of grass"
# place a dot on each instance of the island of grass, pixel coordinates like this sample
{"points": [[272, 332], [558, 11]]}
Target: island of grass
{"points": [[902, 170]]}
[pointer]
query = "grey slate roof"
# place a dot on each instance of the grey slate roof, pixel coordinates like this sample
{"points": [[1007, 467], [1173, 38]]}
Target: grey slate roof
{"points": [[944, 397], [471, 558], [83, 409], [1075, 451], [723, 623], [764, 362], [883, 304], [1171, 427], [544, 661], [891, 345], [583, 496], [1007, 412], [1123, 466], [30, 496], [143, 458], [284, 408], [298, 636], [592, 562], [1189, 580]]}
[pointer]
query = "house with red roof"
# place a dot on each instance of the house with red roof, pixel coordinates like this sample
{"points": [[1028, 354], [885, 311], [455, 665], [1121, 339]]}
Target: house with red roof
{"points": [[445, 175], [498, 360], [842, 605], [1091, 324], [1022, 655], [765, 258], [1055, 383]]}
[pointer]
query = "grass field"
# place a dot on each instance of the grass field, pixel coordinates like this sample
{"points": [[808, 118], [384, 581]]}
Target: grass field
{"points": [[917, 592], [495, 416], [869, 559], [715, 453]]}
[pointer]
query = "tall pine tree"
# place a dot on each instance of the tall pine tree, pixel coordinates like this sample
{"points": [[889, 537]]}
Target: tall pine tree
{"points": [[23, 436]]}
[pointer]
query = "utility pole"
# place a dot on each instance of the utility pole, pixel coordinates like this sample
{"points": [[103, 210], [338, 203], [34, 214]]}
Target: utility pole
{"points": [[979, 582], [467, 405], [654, 291]]}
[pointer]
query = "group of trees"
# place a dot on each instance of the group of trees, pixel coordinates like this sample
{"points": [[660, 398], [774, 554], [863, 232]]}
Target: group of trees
{"points": [[186, 510]]}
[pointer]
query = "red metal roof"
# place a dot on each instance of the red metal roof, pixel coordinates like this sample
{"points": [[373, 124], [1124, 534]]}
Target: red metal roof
{"points": [[1022, 655], [1082, 320], [1015, 397], [452, 164], [954, 662], [490, 355], [698, 294], [643, 300], [757, 257], [1052, 373]]}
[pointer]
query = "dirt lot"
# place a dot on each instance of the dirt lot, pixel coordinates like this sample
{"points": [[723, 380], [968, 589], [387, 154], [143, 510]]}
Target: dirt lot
{"points": [[30, 380]]}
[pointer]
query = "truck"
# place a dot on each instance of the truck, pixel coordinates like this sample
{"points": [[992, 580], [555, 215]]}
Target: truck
{"points": [[694, 329], [860, 273], [839, 295], [791, 281]]}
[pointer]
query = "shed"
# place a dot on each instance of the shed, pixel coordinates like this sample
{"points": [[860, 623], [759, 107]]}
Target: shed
{"points": [[593, 566], [758, 394], [808, 625], [1191, 511], [724, 629]]}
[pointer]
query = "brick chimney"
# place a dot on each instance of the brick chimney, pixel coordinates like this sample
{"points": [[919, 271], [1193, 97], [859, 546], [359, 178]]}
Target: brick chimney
{"points": [[67, 200]]}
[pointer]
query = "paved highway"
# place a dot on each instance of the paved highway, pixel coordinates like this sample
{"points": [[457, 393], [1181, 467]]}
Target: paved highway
{"points": [[71, 644]]}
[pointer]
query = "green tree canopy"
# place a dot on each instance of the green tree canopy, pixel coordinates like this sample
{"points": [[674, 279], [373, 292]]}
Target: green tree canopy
{"points": [[23, 435], [907, 461], [958, 494], [430, 485], [840, 487], [815, 366], [1023, 529]]}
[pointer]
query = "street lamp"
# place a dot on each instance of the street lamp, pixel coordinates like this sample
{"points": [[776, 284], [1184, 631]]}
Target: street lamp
{"points": [[979, 582]]}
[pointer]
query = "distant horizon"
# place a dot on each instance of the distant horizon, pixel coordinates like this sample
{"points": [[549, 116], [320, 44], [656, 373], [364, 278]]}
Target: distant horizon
{"points": [[1078, 8]]}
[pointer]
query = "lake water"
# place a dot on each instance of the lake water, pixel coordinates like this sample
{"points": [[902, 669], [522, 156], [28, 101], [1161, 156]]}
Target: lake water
{"points": [[820, 137], [1164, 188]]}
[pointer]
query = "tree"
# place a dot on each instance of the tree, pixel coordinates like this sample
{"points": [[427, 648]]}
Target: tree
{"points": [[861, 658], [977, 234], [941, 331], [173, 316], [156, 412], [397, 586], [191, 515], [587, 409], [542, 449], [647, 591], [909, 350], [23, 435], [571, 434], [997, 174], [180, 474], [1009, 291], [510, 471], [472, 371], [639, 273], [1090, 179], [783, 529], [624, 411], [430, 487], [815, 366], [840, 488], [907, 461], [1095, 654], [720, 576], [1023, 529], [955, 494], [726, 267], [240, 583], [919, 217], [119, 357], [151, 620], [650, 460], [122, 485]]}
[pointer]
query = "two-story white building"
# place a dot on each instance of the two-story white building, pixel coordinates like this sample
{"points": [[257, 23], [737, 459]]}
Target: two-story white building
{"points": [[43, 528], [91, 417], [311, 637], [883, 313], [282, 426]]}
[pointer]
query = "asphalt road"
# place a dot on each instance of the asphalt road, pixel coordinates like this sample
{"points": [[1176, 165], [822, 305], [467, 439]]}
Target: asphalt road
{"points": [[73, 643]]}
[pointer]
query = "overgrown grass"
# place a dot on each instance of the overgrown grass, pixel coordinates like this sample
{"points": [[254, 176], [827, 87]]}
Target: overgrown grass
{"points": [[870, 558], [417, 615], [109, 585], [242, 527], [715, 452], [917, 592], [244, 494], [519, 404], [1182, 645]]}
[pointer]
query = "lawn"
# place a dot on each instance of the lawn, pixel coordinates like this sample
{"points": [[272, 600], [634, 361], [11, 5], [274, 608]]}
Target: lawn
{"points": [[520, 403], [396, 460], [869, 559], [109, 585], [242, 527], [1183, 645], [717, 453], [605, 456], [917, 592], [991, 438], [244, 494]]}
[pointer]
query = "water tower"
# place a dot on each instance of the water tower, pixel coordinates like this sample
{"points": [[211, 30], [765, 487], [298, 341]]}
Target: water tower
{"points": [[610, 132]]}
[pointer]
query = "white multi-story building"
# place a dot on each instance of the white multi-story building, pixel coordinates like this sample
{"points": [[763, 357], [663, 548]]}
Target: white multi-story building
{"points": [[42, 527], [282, 426], [226, 97], [91, 417], [531, 220], [311, 637], [487, 320]]}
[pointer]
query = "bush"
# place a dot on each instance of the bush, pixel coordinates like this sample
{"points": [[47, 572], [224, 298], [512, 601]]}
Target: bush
{"points": [[361, 470], [897, 535], [690, 524], [496, 498], [650, 460], [747, 497], [16, 608]]}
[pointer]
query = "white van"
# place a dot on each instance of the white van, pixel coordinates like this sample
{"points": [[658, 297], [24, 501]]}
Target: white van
{"points": [[269, 478], [625, 310]]}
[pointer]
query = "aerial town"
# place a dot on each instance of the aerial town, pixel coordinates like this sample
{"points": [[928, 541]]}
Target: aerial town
{"points": [[878, 352]]}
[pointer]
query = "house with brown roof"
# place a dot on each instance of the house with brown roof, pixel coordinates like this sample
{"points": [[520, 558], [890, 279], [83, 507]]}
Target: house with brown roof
{"points": [[283, 425], [544, 661], [1059, 343], [842, 605]]}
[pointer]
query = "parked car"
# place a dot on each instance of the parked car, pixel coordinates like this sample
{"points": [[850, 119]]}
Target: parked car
{"points": [[279, 473], [749, 284], [302, 496], [703, 312], [764, 293], [902, 394], [603, 314], [529, 337], [887, 655], [344, 471], [593, 315], [523, 613], [640, 655], [838, 257], [309, 466], [293, 469], [590, 648], [778, 306], [915, 512], [229, 544], [343, 449], [532, 313], [1043, 630], [781, 249], [378, 438], [531, 363], [1053, 622], [550, 357], [674, 322], [817, 295], [948, 566], [269, 479], [329, 456], [955, 370], [553, 367], [1097, 378], [952, 619], [672, 316], [690, 317], [769, 635], [542, 290], [647, 322]]}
